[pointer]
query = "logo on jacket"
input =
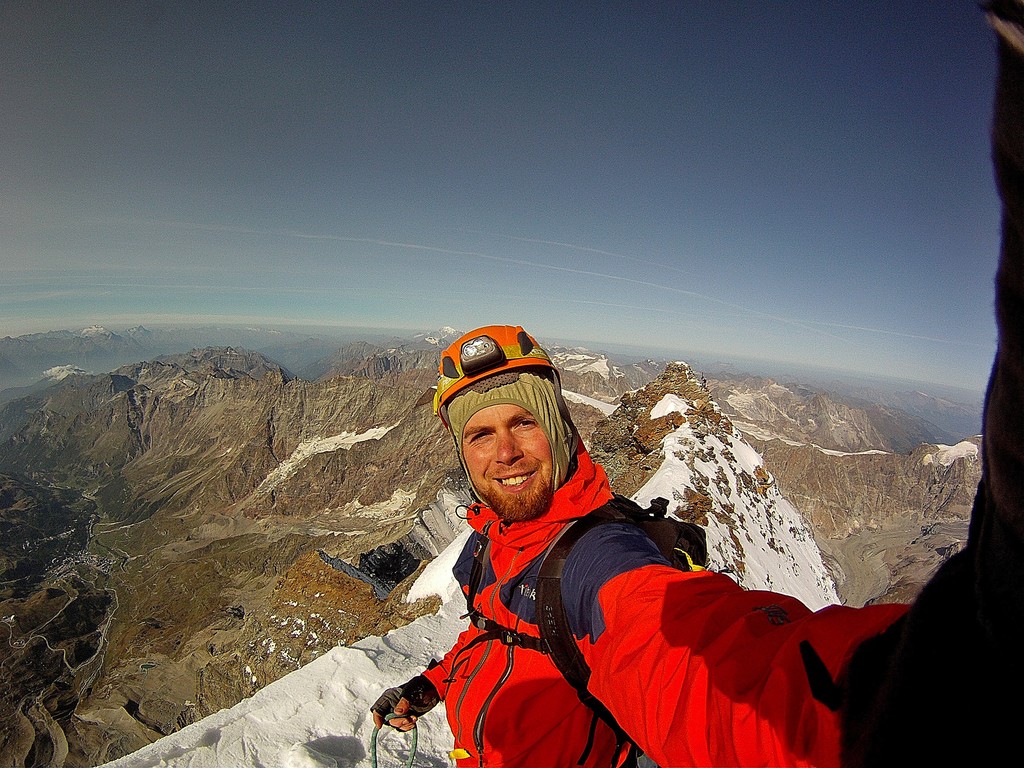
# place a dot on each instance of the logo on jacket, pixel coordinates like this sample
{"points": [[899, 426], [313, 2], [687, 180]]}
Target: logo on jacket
{"points": [[776, 614]]}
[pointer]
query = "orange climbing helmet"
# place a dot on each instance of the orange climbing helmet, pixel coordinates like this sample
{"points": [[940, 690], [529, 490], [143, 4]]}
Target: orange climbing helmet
{"points": [[482, 353]]}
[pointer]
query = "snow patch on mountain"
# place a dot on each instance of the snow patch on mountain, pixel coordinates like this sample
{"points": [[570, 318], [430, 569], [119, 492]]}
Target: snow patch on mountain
{"points": [[441, 337], [760, 433], [947, 454], [582, 361], [576, 397], [96, 332], [61, 372], [830, 452], [307, 449]]}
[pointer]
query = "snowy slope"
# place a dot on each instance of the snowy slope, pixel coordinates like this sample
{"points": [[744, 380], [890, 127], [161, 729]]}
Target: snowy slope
{"points": [[318, 715], [753, 531]]}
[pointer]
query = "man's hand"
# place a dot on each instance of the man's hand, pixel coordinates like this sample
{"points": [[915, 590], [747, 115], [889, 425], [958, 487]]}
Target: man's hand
{"points": [[406, 703]]}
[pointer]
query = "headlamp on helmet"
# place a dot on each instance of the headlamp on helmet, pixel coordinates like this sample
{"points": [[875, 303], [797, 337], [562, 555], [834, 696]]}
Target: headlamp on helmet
{"points": [[482, 353]]}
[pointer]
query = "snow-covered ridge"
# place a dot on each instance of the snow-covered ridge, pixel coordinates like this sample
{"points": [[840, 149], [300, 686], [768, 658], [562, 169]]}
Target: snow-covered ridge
{"points": [[750, 524]]}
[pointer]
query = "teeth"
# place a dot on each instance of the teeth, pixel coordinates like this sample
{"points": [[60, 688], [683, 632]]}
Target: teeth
{"points": [[513, 480]]}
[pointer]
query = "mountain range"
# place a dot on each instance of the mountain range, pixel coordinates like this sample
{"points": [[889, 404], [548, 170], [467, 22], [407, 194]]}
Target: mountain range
{"points": [[182, 531], [684, 449]]}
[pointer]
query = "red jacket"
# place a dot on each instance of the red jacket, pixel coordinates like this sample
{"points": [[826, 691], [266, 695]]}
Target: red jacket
{"points": [[697, 670]]}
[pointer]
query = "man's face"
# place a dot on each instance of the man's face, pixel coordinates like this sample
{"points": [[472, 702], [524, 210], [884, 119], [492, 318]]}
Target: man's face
{"points": [[509, 461]]}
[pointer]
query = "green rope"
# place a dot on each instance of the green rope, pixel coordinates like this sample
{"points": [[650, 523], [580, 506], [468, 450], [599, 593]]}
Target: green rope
{"points": [[373, 744]]}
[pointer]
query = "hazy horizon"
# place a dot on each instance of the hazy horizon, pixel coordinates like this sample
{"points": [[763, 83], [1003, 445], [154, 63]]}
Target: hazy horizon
{"points": [[622, 353], [787, 181]]}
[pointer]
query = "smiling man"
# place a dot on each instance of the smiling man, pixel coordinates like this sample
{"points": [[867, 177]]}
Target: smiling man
{"points": [[694, 669], [508, 459], [662, 644]]}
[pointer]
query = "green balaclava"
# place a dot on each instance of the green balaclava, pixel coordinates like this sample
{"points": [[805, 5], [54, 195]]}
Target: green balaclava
{"points": [[529, 391]]}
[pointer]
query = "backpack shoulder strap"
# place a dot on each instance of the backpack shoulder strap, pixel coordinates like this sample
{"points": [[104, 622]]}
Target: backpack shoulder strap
{"points": [[551, 616], [481, 551], [491, 629], [554, 625]]}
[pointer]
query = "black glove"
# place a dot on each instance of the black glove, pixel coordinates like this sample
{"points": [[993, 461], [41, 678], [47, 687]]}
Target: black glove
{"points": [[419, 692]]}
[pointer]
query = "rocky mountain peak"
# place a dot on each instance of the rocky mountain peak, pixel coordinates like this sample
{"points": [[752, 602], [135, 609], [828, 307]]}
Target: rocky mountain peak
{"points": [[228, 362], [628, 442], [670, 439]]}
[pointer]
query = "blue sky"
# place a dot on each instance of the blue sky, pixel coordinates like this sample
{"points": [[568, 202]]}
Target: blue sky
{"points": [[805, 182]]}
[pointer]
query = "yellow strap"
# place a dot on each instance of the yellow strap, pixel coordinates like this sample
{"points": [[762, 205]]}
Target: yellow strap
{"points": [[459, 754], [689, 560]]}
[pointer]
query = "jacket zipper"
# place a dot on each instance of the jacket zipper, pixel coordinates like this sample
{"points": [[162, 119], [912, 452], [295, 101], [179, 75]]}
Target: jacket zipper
{"points": [[465, 690], [478, 730]]}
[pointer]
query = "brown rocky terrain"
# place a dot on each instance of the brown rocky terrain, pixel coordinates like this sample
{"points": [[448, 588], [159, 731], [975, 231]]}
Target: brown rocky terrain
{"points": [[207, 486], [217, 478], [887, 519]]}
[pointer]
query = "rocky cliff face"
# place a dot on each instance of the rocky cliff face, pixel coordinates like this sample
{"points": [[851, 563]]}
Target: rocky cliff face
{"points": [[765, 408], [217, 478], [888, 519]]}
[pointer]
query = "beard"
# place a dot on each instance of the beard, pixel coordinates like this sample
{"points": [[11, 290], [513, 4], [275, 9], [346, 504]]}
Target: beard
{"points": [[525, 506]]}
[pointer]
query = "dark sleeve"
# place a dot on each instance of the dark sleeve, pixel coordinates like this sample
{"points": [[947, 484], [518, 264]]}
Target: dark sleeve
{"points": [[944, 685], [999, 532]]}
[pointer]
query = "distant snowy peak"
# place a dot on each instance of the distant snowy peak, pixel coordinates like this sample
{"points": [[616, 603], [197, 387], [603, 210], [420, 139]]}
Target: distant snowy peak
{"points": [[138, 332], [97, 332], [61, 372], [579, 360], [442, 337]]}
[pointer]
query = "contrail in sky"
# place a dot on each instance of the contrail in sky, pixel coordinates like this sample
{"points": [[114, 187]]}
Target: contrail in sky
{"points": [[809, 326], [588, 249]]}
